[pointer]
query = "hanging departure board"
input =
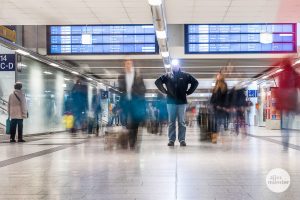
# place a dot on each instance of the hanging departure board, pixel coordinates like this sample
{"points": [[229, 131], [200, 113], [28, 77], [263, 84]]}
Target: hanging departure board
{"points": [[240, 38], [102, 39]]}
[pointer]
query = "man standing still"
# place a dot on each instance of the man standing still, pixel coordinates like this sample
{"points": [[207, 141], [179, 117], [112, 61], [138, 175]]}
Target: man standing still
{"points": [[177, 88], [132, 102], [17, 110]]}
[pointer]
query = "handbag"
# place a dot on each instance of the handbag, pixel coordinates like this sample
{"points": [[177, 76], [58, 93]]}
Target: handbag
{"points": [[8, 122]]}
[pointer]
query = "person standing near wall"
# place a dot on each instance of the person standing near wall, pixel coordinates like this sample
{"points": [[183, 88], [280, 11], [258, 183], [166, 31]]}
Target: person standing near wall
{"points": [[17, 111], [176, 83]]}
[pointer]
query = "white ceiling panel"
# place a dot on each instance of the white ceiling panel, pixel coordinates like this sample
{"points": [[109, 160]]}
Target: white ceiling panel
{"points": [[138, 11], [209, 3]]}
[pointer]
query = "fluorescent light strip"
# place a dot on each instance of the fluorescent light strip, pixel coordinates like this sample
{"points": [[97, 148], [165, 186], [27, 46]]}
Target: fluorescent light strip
{"points": [[20, 51], [48, 73], [204, 73], [73, 72], [183, 67], [54, 65]]}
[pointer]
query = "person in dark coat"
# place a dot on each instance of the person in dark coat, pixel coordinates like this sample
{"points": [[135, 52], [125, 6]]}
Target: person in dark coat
{"points": [[176, 88], [132, 101], [218, 102]]}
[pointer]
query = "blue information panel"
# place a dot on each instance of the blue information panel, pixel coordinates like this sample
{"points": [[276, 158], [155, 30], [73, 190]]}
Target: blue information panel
{"points": [[252, 93], [102, 39], [7, 62], [240, 38]]}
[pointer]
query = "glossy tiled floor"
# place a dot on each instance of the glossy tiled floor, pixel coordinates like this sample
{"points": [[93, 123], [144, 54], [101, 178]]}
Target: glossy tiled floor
{"points": [[64, 167]]}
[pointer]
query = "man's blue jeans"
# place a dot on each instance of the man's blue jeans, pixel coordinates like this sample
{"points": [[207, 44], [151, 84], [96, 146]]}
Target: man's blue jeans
{"points": [[176, 111]]}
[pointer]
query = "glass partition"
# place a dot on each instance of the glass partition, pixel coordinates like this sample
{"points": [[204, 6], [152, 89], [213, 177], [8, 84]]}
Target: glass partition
{"points": [[48, 96]]}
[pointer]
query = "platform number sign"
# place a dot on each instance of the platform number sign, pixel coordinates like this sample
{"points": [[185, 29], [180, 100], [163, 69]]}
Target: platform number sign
{"points": [[7, 62], [252, 93]]}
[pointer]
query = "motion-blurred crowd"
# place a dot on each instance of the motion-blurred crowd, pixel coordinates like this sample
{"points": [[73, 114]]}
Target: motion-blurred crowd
{"points": [[225, 112]]}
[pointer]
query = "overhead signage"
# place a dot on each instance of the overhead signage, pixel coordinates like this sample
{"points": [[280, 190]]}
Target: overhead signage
{"points": [[8, 34], [252, 93], [7, 62], [240, 38], [102, 39]]}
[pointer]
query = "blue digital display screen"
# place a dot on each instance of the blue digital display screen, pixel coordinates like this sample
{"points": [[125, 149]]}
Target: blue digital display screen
{"points": [[102, 39], [240, 38]]}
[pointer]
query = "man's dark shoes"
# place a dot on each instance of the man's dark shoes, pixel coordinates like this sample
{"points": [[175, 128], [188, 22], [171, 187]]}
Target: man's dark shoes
{"points": [[21, 140], [182, 144], [12, 141], [171, 144]]}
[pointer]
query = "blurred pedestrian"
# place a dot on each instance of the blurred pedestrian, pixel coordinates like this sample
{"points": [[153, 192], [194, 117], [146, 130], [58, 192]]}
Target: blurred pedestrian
{"points": [[96, 109], [17, 111], [132, 100], [79, 96], [162, 111], [217, 101], [286, 96], [177, 88]]}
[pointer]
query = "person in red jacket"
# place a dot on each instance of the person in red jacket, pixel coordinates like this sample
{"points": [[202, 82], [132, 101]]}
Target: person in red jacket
{"points": [[287, 96]]}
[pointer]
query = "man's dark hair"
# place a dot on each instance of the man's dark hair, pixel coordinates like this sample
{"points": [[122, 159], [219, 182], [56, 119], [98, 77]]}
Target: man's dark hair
{"points": [[18, 86]]}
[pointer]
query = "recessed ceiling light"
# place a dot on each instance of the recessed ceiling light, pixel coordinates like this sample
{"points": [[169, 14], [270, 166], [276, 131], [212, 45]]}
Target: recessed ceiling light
{"points": [[161, 34], [155, 2], [165, 54], [175, 62]]}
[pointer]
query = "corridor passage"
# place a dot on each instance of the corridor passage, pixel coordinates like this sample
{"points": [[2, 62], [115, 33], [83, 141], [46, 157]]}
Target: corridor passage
{"points": [[62, 166]]}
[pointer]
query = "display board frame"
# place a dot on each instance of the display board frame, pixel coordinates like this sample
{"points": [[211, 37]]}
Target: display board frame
{"points": [[99, 53], [187, 50]]}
